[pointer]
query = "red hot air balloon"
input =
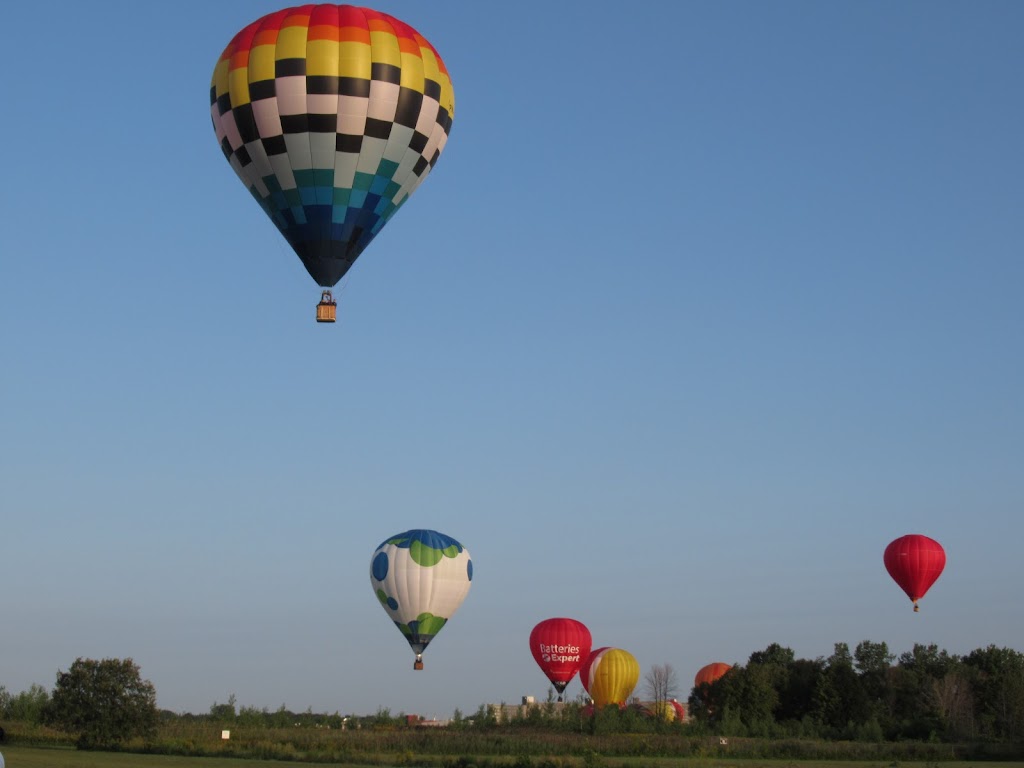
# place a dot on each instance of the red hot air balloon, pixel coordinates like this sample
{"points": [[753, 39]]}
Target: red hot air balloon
{"points": [[560, 646], [915, 562]]}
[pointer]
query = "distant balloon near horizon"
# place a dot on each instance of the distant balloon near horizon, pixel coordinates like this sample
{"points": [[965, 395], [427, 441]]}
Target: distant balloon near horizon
{"points": [[609, 675], [666, 710], [915, 562], [709, 673], [331, 116], [420, 578], [560, 646]]}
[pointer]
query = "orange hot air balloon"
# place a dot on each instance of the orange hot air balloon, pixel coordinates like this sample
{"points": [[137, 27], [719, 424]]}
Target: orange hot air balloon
{"points": [[609, 676], [915, 562], [709, 673], [560, 646]]}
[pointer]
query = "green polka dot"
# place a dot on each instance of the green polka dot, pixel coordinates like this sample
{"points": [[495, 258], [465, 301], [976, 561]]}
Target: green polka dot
{"points": [[424, 555], [429, 624]]}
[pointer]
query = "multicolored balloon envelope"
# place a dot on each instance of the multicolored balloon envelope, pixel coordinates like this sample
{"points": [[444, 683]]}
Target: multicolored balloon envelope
{"points": [[332, 116], [707, 674], [915, 562], [609, 675], [560, 646], [666, 710], [421, 578]]}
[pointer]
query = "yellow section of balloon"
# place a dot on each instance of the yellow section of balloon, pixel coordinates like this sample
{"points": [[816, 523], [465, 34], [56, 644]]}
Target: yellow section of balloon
{"points": [[663, 710], [614, 677]]}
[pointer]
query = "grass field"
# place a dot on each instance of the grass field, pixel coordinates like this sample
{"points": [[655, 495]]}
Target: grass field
{"points": [[48, 757]]}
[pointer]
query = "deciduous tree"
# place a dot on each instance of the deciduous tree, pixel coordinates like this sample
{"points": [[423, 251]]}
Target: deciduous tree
{"points": [[27, 706], [106, 702], [661, 684], [999, 689]]}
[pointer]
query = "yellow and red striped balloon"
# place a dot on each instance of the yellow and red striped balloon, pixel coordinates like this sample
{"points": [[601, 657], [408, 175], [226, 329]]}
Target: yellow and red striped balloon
{"points": [[609, 676]]}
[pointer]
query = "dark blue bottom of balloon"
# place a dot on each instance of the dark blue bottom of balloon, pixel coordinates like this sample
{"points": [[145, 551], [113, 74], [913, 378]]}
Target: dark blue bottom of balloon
{"points": [[417, 642], [328, 248]]}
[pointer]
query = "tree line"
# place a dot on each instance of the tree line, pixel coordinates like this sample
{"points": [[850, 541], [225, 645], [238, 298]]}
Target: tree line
{"points": [[869, 695], [866, 695]]}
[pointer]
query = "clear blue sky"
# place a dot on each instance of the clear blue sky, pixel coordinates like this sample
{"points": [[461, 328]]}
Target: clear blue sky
{"points": [[703, 305]]}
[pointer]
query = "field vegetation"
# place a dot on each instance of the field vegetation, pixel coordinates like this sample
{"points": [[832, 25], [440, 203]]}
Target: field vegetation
{"points": [[569, 739], [929, 707]]}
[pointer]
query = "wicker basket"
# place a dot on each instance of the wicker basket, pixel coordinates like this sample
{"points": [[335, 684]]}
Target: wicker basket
{"points": [[327, 309]]}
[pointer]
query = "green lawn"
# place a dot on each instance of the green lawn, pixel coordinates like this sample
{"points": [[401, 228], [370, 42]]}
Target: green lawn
{"points": [[49, 757]]}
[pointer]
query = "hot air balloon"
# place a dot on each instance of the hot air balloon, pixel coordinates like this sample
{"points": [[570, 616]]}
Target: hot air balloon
{"points": [[560, 646], [665, 710], [707, 674], [680, 710], [915, 562], [609, 675], [332, 116], [421, 578]]}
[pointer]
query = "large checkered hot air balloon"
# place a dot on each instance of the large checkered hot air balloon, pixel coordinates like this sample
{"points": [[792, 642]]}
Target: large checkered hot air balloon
{"points": [[332, 116], [421, 578]]}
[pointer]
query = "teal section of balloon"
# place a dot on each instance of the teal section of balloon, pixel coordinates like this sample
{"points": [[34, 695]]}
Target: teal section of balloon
{"points": [[420, 578]]}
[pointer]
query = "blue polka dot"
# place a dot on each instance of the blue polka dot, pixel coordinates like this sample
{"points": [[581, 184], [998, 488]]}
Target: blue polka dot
{"points": [[392, 604], [469, 569], [380, 566]]}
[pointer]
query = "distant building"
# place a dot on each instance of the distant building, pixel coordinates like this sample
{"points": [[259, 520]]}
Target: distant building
{"points": [[674, 709], [505, 712], [415, 721]]}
